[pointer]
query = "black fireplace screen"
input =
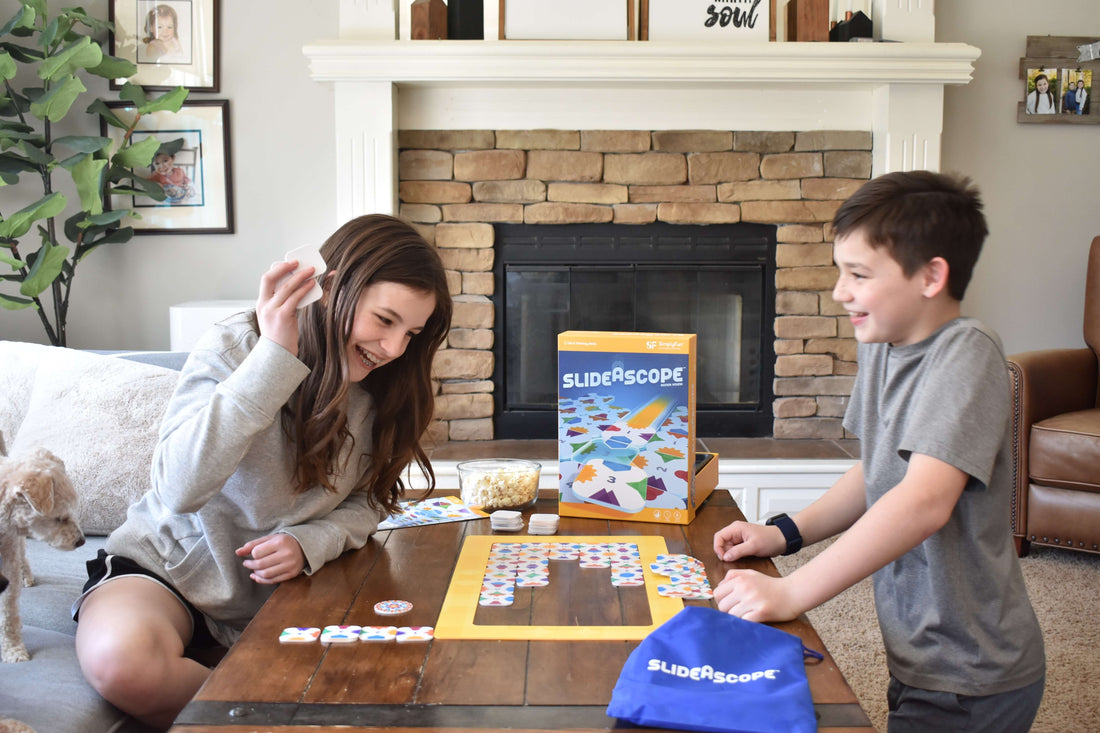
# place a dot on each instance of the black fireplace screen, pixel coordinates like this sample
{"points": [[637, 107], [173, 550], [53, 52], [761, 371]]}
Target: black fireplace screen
{"points": [[715, 281]]}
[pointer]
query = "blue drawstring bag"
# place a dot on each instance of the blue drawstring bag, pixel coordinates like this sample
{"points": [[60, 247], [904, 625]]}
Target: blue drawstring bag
{"points": [[709, 671]]}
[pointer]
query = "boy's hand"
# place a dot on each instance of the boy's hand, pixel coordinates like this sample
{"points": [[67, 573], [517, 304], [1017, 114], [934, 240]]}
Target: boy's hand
{"points": [[742, 539], [277, 304], [273, 559], [754, 596]]}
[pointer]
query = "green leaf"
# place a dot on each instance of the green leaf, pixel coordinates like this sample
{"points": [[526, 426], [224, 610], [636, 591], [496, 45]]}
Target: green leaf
{"points": [[118, 236], [23, 54], [11, 303], [7, 66], [10, 163], [79, 15], [84, 143], [13, 104], [55, 104], [138, 155], [147, 187], [16, 264], [100, 108], [20, 222], [81, 55], [171, 147], [168, 102], [14, 126], [49, 33], [88, 177], [47, 265], [112, 67], [23, 18], [38, 6], [35, 154], [106, 218], [133, 93]]}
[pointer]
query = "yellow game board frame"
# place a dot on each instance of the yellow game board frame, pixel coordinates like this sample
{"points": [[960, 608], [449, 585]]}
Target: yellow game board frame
{"points": [[456, 617]]}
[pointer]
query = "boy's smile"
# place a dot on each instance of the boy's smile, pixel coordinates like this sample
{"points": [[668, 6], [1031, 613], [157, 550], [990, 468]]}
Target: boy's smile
{"points": [[883, 303]]}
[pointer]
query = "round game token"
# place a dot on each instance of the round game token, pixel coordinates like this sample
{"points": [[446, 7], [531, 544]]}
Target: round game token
{"points": [[392, 608]]}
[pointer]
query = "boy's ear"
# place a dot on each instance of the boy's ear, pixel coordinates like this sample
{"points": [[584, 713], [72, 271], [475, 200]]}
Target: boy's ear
{"points": [[935, 273]]}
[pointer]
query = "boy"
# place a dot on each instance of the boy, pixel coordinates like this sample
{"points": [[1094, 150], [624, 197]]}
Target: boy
{"points": [[926, 510]]}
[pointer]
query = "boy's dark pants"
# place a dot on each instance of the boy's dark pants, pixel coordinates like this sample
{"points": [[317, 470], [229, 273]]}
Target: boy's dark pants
{"points": [[913, 710]]}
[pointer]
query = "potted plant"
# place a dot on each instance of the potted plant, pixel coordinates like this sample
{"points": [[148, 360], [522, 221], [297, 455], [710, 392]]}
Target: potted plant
{"points": [[43, 242]]}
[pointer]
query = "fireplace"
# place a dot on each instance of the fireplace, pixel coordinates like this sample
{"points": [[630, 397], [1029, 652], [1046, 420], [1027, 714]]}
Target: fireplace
{"points": [[714, 281], [482, 115]]}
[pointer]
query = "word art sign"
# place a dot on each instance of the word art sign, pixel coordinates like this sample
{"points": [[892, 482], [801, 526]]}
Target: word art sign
{"points": [[717, 20]]}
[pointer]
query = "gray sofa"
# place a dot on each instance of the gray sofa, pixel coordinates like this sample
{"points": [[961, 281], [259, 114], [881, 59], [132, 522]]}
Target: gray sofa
{"points": [[100, 413]]}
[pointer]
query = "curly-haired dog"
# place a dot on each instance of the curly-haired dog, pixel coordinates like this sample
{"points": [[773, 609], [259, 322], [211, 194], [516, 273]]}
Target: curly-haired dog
{"points": [[36, 499]]}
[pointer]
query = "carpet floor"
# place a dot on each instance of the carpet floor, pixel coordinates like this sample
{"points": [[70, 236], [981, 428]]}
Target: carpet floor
{"points": [[1064, 587]]}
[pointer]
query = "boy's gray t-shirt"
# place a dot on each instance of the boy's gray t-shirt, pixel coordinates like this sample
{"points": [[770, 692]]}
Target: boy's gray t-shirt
{"points": [[954, 611]]}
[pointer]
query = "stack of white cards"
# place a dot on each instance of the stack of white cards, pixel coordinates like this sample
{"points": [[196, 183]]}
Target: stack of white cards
{"points": [[543, 524], [504, 520]]}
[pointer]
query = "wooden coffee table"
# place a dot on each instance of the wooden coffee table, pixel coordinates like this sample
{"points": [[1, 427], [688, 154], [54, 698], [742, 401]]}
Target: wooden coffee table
{"points": [[455, 685]]}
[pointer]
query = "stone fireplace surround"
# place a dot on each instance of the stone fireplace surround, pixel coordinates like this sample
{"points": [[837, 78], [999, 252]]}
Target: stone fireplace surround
{"points": [[793, 127], [455, 184]]}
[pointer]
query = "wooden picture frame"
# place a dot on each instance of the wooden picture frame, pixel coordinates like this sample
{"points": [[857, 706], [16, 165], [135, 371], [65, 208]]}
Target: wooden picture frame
{"points": [[587, 20], [705, 20], [197, 178], [187, 56], [1054, 62]]}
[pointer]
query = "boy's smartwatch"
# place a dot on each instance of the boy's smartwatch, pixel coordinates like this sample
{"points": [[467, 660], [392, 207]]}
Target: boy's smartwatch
{"points": [[790, 532]]}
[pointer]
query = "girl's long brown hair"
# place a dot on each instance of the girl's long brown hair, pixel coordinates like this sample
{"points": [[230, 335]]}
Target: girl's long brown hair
{"points": [[367, 250]]}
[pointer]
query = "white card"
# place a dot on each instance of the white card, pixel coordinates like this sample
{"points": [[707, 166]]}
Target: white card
{"points": [[308, 255]]}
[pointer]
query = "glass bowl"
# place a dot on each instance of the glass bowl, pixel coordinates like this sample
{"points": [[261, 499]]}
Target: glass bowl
{"points": [[499, 483]]}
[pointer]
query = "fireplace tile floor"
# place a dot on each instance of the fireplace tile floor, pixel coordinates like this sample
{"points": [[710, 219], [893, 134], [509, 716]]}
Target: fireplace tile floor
{"points": [[727, 448]]}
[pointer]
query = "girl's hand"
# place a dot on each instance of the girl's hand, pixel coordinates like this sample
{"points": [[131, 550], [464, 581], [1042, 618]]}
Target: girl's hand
{"points": [[273, 559], [757, 597], [277, 304]]}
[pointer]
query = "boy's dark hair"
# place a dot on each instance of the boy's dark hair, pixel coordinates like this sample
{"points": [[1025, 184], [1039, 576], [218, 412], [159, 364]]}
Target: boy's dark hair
{"points": [[919, 215]]}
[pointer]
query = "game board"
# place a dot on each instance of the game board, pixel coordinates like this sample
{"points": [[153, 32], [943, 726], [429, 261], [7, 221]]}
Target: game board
{"points": [[460, 606]]}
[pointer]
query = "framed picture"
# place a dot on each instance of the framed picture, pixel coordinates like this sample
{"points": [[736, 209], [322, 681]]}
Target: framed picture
{"points": [[196, 177], [1041, 94], [706, 20], [172, 42], [589, 20], [1057, 75], [1076, 91]]}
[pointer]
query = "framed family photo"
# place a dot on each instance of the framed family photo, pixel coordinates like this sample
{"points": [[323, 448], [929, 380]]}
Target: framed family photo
{"points": [[172, 42], [192, 166]]}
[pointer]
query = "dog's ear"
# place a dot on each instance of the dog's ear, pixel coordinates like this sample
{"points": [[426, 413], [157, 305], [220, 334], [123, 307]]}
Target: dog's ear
{"points": [[36, 488]]}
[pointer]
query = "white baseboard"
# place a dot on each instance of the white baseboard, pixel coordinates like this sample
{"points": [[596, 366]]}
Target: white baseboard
{"points": [[761, 488]]}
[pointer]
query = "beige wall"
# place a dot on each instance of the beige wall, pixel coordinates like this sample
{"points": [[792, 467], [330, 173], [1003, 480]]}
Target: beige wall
{"points": [[1039, 181], [1035, 179]]}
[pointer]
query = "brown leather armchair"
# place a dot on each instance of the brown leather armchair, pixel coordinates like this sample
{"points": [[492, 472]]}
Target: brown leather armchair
{"points": [[1056, 437]]}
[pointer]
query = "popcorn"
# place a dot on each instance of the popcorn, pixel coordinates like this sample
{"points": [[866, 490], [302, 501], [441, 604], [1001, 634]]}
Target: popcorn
{"points": [[497, 484]]}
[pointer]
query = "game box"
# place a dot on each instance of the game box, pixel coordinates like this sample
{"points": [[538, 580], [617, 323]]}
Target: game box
{"points": [[626, 427]]}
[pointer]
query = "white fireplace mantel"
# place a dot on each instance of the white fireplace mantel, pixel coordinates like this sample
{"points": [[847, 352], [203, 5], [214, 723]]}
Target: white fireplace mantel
{"points": [[895, 90]]}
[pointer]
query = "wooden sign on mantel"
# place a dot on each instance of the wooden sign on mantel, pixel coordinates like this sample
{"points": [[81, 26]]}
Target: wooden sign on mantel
{"points": [[707, 20]]}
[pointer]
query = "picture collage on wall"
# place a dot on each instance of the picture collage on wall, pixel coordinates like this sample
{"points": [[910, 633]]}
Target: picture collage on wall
{"points": [[1057, 76]]}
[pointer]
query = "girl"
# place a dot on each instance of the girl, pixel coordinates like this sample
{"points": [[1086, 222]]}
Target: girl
{"points": [[162, 43], [281, 448], [1041, 99]]}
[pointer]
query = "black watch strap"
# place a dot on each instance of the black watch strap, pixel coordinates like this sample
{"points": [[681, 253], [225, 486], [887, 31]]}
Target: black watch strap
{"points": [[790, 532]]}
